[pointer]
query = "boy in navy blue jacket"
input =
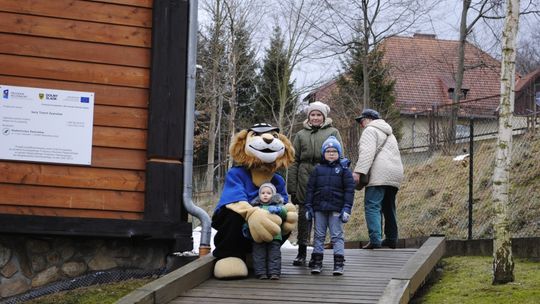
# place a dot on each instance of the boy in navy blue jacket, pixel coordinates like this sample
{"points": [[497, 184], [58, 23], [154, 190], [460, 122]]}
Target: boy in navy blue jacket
{"points": [[329, 200]]}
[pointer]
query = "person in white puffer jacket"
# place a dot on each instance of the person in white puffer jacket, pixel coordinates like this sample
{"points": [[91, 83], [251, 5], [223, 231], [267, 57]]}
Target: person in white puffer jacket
{"points": [[379, 169]]}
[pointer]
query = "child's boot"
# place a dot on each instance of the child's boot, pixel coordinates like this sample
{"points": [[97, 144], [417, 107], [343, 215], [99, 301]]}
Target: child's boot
{"points": [[300, 259], [338, 264], [317, 263], [311, 262]]}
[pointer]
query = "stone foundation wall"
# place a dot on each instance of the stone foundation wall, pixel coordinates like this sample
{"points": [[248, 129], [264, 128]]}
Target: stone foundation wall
{"points": [[28, 262]]}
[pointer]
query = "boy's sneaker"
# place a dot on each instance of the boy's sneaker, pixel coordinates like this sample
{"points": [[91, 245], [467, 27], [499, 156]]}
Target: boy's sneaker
{"points": [[274, 277], [262, 277], [338, 270], [316, 269]]}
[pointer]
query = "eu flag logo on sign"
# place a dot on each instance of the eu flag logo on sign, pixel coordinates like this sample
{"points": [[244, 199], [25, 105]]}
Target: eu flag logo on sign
{"points": [[5, 94], [85, 99]]}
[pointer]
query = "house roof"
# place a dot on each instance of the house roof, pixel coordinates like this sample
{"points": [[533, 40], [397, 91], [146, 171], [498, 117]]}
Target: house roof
{"points": [[322, 93], [526, 94], [424, 68], [527, 79]]}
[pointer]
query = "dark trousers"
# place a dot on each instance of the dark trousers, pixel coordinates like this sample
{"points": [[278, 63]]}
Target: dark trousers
{"points": [[304, 226], [229, 240], [380, 201], [267, 258]]}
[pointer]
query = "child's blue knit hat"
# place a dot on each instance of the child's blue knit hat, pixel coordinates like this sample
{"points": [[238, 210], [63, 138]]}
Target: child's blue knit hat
{"points": [[331, 142]]}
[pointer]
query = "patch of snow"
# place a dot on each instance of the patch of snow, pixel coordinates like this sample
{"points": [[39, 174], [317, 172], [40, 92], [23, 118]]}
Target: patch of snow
{"points": [[197, 239], [196, 235], [461, 157]]}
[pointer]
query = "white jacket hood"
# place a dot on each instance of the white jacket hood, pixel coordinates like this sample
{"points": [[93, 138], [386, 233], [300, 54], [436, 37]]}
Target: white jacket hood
{"points": [[381, 125]]}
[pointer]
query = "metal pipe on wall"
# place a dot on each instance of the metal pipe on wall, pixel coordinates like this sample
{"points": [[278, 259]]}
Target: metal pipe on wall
{"points": [[190, 206]]}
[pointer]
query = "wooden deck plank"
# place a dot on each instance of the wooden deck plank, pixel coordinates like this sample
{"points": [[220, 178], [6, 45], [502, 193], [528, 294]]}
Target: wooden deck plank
{"points": [[371, 276], [251, 301], [367, 273], [416, 269]]}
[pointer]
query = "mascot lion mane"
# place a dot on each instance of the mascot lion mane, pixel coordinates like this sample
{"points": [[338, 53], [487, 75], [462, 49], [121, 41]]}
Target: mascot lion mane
{"points": [[258, 153]]}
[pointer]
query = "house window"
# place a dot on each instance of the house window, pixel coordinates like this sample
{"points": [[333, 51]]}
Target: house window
{"points": [[463, 93]]}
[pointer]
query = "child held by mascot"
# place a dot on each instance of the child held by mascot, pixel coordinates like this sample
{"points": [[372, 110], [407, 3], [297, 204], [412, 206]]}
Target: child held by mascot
{"points": [[267, 255], [258, 153]]}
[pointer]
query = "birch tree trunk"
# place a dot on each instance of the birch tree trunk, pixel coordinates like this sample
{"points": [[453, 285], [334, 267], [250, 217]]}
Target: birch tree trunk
{"points": [[503, 263]]}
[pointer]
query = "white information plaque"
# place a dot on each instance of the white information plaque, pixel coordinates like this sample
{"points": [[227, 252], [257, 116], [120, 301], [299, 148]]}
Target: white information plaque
{"points": [[45, 125]]}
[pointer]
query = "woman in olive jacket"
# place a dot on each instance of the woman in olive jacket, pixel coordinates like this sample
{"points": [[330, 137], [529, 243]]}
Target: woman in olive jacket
{"points": [[307, 146]]}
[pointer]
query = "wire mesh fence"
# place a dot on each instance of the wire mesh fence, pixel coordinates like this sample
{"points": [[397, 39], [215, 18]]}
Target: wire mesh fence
{"points": [[441, 194]]}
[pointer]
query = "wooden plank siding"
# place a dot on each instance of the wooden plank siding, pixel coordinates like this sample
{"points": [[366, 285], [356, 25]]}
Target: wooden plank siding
{"points": [[103, 157], [74, 71], [20, 195], [108, 95], [74, 29], [65, 212], [74, 50], [82, 10], [75, 177], [138, 3], [101, 46]]}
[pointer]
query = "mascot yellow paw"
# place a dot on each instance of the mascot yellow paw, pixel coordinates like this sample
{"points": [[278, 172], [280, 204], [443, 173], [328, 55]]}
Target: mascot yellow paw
{"points": [[229, 268], [292, 219], [263, 225]]}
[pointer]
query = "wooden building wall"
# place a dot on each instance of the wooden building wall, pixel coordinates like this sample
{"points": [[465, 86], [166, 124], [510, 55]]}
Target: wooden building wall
{"points": [[101, 46]]}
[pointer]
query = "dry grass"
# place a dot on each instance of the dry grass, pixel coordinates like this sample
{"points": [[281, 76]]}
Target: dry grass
{"points": [[434, 195]]}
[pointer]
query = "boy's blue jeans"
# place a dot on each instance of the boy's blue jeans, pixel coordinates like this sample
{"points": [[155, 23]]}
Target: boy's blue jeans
{"points": [[332, 221], [381, 200]]}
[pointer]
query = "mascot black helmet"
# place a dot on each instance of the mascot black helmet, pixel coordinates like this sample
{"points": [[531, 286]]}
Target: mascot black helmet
{"points": [[263, 128]]}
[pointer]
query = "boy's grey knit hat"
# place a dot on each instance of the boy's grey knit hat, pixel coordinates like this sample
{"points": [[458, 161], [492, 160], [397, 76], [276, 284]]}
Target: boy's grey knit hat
{"points": [[268, 185]]}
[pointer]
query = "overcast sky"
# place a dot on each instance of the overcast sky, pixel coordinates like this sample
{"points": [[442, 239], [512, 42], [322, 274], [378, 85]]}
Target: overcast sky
{"points": [[443, 21]]}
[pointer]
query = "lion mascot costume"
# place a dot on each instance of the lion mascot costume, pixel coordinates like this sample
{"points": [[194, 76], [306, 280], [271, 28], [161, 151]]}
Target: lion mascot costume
{"points": [[258, 153]]}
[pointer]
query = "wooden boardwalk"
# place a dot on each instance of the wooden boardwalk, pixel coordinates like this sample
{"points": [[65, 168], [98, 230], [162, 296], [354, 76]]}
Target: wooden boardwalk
{"points": [[367, 272], [371, 276]]}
